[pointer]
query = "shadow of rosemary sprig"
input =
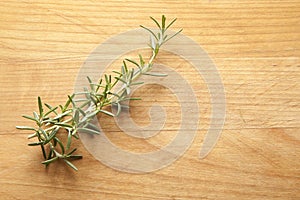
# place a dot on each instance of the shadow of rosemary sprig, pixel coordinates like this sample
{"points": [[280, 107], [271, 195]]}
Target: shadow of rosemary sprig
{"points": [[81, 108]]}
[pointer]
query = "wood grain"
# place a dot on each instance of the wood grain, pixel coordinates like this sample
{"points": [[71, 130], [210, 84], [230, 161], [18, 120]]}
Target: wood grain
{"points": [[254, 44]]}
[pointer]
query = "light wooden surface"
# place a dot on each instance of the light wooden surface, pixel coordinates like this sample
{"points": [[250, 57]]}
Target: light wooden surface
{"points": [[255, 45]]}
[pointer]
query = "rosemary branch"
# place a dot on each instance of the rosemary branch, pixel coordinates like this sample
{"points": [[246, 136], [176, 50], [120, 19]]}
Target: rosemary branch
{"points": [[76, 114]]}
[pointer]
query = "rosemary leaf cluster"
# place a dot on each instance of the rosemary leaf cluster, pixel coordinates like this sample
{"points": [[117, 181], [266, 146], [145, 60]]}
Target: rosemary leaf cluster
{"points": [[75, 116]]}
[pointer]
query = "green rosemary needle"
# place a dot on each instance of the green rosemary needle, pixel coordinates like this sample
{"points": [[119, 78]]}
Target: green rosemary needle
{"points": [[76, 114]]}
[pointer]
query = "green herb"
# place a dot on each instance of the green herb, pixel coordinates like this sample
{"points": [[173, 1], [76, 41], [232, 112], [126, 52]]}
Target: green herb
{"points": [[52, 123]]}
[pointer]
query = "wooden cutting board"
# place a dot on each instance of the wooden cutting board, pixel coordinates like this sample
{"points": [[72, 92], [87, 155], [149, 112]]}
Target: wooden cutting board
{"points": [[255, 48]]}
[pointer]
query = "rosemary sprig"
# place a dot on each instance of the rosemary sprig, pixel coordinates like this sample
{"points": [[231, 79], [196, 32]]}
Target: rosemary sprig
{"points": [[76, 114]]}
